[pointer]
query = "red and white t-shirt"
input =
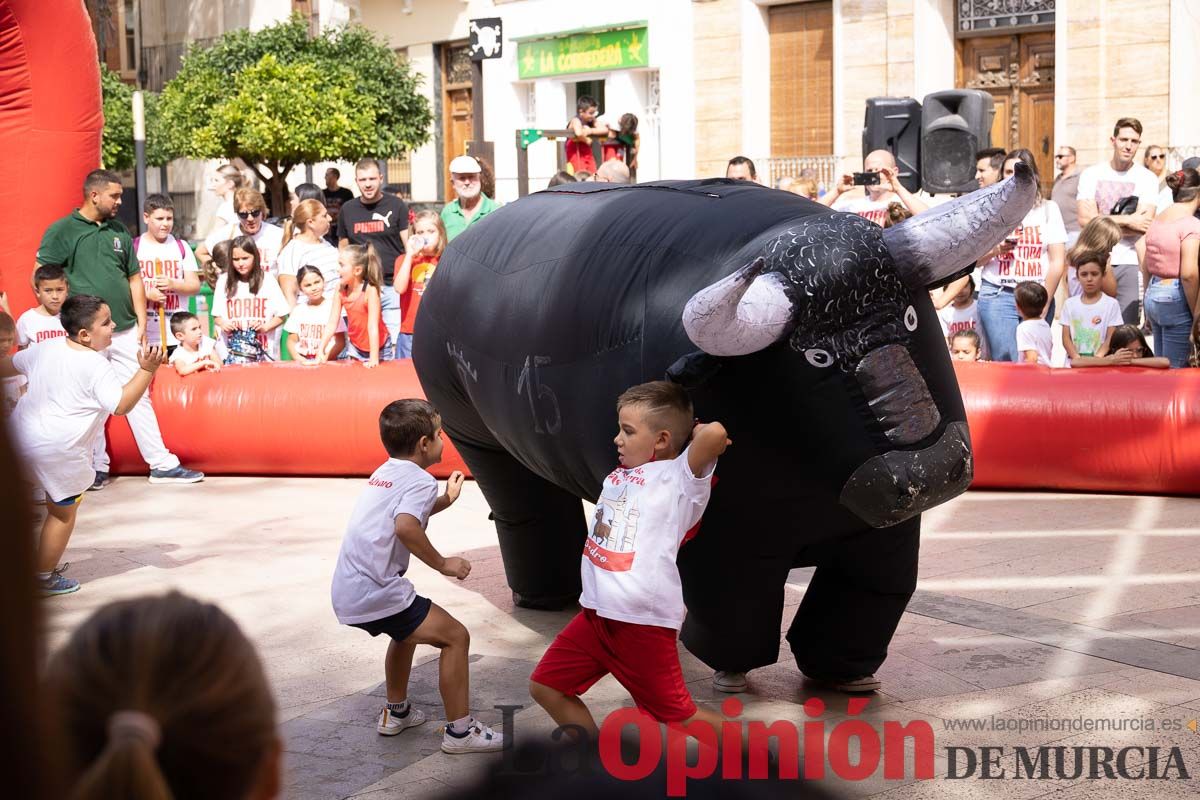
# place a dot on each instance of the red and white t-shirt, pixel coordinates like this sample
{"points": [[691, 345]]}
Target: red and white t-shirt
{"points": [[956, 319], [1029, 260], [245, 308], [309, 323], [34, 327], [874, 210], [173, 259], [628, 566]]}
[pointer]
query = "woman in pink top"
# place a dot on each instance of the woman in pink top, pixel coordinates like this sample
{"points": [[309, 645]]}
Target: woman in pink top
{"points": [[1169, 253]]}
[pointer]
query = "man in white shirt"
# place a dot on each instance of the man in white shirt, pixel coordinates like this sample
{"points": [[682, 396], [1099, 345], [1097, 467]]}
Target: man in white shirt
{"points": [[872, 200], [1101, 187]]}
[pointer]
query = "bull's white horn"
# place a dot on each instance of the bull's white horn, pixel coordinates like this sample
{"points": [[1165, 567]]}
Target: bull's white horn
{"points": [[740, 314], [936, 244]]}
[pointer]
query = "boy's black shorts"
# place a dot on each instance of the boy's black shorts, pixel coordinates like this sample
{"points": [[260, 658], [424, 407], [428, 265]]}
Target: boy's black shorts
{"points": [[401, 625]]}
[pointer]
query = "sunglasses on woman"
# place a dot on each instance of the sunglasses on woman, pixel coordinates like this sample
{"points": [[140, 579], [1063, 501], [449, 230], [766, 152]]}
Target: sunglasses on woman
{"points": [[256, 213]]}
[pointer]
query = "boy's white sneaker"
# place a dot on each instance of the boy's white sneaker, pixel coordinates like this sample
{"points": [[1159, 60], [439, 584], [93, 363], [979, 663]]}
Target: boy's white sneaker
{"points": [[479, 738], [391, 723]]}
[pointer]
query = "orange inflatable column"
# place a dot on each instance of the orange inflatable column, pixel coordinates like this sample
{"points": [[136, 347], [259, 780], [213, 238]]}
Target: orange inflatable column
{"points": [[50, 125]]}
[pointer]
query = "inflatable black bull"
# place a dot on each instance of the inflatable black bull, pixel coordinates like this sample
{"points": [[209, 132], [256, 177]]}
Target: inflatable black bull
{"points": [[808, 333]]}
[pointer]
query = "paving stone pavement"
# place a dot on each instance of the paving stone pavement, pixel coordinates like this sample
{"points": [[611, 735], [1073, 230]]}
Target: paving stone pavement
{"points": [[1032, 608]]}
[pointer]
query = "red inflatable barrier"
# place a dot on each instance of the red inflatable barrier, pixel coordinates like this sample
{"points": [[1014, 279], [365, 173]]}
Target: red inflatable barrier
{"points": [[50, 123], [275, 419], [1103, 430], [1116, 429]]}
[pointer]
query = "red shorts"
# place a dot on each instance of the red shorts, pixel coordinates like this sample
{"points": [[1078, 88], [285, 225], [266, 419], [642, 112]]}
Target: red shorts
{"points": [[643, 658]]}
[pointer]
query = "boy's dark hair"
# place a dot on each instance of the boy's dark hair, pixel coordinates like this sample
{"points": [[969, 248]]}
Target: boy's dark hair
{"points": [[1080, 257], [584, 102], [668, 408], [1030, 297], [179, 319], [78, 313], [402, 424], [736, 160], [158, 202], [1127, 122], [48, 272], [994, 155], [970, 335], [560, 177]]}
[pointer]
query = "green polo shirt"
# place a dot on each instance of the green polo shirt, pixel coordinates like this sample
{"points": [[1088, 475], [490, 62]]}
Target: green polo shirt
{"points": [[98, 259], [456, 223]]}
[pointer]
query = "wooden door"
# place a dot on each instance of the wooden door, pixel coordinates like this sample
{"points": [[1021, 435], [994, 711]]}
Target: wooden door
{"points": [[801, 36], [457, 118], [1018, 71]]}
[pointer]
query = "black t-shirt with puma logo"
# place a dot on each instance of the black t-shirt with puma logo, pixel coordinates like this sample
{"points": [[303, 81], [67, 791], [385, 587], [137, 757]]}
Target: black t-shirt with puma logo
{"points": [[378, 224]]}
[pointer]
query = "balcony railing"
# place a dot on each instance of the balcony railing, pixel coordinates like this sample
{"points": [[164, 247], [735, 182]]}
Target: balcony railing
{"points": [[824, 169]]}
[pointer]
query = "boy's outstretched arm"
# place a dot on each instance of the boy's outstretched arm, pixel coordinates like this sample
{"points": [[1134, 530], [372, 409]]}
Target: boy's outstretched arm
{"points": [[709, 441], [412, 536], [453, 489]]}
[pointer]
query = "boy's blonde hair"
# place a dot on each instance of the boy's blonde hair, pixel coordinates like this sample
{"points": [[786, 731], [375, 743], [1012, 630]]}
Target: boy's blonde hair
{"points": [[667, 407]]}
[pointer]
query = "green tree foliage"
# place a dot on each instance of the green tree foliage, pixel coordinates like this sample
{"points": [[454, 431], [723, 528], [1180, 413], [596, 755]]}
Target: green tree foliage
{"points": [[277, 98], [116, 143]]}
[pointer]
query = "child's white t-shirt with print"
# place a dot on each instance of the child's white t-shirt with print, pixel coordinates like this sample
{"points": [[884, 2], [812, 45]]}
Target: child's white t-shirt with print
{"points": [[182, 357], [1034, 334], [368, 580], [1089, 323], [34, 327], [874, 210], [173, 259], [71, 393], [1029, 260], [954, 320], [246, 308], [309, 323], [628, 566]]}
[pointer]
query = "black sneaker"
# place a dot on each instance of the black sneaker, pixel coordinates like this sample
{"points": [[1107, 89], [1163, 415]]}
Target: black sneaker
{"points": [[180, 474], [100, 482]]}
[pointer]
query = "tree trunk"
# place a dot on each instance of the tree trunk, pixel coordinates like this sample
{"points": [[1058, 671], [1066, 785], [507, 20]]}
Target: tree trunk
{"points": [[277, 193]]}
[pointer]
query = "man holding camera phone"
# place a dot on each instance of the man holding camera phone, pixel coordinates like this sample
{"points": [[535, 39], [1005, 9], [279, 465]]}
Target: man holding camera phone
{"points": [[880, 188], [1126, 193]]}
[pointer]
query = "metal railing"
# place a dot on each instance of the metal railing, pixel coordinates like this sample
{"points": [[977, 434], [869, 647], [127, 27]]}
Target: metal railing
{"points": [[1176, 155], [161, 63], [824, 169]]}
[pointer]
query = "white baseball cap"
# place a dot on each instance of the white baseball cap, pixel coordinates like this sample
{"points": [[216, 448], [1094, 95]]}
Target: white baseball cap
{"points": [[465, 164]]}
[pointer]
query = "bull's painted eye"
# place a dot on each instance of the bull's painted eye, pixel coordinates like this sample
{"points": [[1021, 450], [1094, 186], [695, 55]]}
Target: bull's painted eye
{"points": [[910, 318], [818, 357]]}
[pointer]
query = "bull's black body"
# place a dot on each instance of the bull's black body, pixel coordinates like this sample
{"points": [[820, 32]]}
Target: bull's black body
{"points": [[544, 312]]}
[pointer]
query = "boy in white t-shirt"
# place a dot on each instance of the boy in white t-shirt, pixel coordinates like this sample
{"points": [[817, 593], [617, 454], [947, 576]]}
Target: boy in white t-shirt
{"points": [[1089, 319], [72, 390], [40, 323], [195, 351], [632, 596], [169, 268], [1033, 332], [370, 591]]}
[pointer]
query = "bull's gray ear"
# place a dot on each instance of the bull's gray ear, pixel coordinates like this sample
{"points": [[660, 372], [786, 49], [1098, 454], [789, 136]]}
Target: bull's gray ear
{"points": [[931, 246], [740, 314]]}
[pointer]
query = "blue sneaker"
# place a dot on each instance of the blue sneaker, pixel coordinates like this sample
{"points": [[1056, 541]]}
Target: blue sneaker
{"points": [[57, 584], [180, 474]]}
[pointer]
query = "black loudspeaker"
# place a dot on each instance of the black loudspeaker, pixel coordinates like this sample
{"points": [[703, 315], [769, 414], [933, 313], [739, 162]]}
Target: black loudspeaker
{"points": [[955, 125], [894, 124]]}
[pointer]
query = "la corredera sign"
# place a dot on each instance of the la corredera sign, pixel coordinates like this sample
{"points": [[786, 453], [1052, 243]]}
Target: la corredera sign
{"points": [[583, 52]]}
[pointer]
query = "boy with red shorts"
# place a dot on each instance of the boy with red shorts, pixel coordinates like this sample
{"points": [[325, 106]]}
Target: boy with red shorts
{"points": [[632, 597]]}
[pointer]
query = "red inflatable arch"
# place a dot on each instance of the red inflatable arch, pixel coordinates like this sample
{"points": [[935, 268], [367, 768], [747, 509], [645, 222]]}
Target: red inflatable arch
{"points": [[1102, 430], [50, 124]]}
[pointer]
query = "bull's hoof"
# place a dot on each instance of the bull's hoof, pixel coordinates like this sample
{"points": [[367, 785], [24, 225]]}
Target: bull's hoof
{"points": [[542, 602]]}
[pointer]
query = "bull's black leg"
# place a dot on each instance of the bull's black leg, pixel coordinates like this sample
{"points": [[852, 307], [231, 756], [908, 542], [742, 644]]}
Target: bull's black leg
{"points": [[733, 588], [850, 611], [540, 526]]}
